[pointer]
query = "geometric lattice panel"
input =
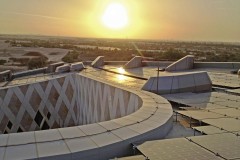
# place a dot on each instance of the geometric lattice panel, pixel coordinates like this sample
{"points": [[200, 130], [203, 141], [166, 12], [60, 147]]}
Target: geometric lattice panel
{"points": [[101, 102], [36, 106], [66, 101]]}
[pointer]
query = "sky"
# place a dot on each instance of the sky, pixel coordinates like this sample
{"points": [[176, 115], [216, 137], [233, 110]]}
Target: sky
{"points": [[190, 20]]}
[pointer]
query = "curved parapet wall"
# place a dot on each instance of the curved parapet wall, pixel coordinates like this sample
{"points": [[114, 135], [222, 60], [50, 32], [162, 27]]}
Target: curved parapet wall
{"points": [[66, 101], [97, 141]]}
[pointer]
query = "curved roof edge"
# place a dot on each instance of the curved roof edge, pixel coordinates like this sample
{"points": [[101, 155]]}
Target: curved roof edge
{"points": [[101, 140]]}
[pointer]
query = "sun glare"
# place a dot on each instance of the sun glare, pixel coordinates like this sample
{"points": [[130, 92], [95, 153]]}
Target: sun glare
{"points": [[115, 16], [121, 70]]}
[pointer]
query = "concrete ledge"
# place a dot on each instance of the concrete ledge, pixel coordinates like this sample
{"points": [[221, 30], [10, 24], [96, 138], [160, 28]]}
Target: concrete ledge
{"points": [[98, 62], [115, 62], [226, 65], [30, 72], [144, 63], [177, 83], [52, 67], [157, 63], [184, 63], [78, 66], [135, 62], [63, 68]]}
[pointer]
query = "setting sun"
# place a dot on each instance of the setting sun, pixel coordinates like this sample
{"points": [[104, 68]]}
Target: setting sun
{"points": [[115, 16]]}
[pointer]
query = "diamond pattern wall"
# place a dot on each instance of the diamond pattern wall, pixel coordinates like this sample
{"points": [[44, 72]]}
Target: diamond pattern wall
{"points": [[66, 101], [100, 102]]}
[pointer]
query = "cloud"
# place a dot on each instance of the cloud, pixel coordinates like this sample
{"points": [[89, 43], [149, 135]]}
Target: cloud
{"points": [[36, 15]]}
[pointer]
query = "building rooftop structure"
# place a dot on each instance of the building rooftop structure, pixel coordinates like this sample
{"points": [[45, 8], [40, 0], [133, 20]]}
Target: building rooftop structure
{"points": [[102, 112]]}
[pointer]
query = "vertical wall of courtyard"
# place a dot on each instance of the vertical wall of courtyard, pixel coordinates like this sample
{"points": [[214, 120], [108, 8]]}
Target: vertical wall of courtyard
{"points": [[66, 101]]}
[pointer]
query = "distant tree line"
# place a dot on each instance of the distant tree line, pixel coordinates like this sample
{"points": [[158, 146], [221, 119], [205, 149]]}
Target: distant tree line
{"points": [[126, 49], [89, 54]]}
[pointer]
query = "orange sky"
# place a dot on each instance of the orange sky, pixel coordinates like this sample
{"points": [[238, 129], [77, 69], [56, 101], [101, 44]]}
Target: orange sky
{"points": [[210, 20]]}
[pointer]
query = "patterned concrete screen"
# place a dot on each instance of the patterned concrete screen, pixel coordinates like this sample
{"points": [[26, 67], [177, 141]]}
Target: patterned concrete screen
{"points": [[134, 62], [184, 63], [185, 82], [98, 62], [62, 102]]}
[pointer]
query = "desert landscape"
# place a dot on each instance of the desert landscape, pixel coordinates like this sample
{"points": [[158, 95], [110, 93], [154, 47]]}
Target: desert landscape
{"points": [[15, 57], [21, 52]]}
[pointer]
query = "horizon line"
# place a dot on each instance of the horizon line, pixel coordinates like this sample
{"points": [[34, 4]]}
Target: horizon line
{"points": [[139, 39]]}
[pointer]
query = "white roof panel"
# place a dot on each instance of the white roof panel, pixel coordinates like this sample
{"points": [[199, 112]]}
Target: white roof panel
{"points": [[226, 145], [209, 130], [175, 149], [229, 124]]}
